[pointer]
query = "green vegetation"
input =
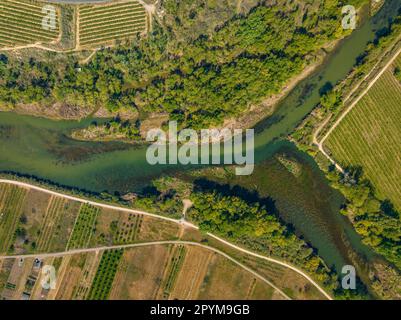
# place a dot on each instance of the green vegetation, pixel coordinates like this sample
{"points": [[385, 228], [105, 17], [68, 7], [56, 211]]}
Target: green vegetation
{"points": [[369, 136], [290, 164], [366, 143], [84, 227], [373, 123], [397, 73], [21, 24], [376, 221], [244, 60], [103, 281], [397, 69], [67, 26], [115, 129], [160, 199], [251, 225]]}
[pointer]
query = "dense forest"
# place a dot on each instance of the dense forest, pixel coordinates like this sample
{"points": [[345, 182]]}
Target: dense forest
{"points": [[378, 222], [200, 80]]}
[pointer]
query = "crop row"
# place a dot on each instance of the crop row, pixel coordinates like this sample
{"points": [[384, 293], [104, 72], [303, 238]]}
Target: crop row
{"points": [[21, 23], [174, 268], [52, 217], [114, 28], [11, 201], [84, 227], [102, 8], [127, 230], [112, 36], [26, 25], [370, 135], [105, 274], [102, 22], [111, 12]]}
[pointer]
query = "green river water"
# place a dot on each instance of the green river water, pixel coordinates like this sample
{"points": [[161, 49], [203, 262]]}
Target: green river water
{"points": [[41, 147]]}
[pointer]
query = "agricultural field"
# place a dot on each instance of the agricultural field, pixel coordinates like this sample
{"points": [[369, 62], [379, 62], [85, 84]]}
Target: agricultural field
{"points": [[83, 227], [292, 284], [183, 272], [135, 273], [369, 136], [114, 227], [36, 222], [105, 24], [11, 199], [21, 23], [75, 27], [104, 278], [52, 226], [32, 221]]}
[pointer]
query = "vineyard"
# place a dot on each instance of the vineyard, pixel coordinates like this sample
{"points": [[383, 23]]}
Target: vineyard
{"points": [[105, 274], [104, 24], [370, 135], [21, 23], [50, 222], [11, 200], [84, 227], [173, 269]]}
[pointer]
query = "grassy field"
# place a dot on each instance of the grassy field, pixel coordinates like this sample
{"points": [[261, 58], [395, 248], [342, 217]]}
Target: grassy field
{"points": [[21, 24], [369, 136], [104, 24]]}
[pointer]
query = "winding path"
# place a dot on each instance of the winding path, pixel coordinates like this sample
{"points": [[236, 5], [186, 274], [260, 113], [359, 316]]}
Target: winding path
{"points": [[180, 221]]}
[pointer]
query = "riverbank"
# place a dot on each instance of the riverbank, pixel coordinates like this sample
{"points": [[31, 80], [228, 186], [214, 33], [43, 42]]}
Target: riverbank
{"points": [[371, 217]]}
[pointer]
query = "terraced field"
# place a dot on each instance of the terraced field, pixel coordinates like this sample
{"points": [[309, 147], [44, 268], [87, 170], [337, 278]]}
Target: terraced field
{"points": [[104, 24], [21, 23], [370, 135]]}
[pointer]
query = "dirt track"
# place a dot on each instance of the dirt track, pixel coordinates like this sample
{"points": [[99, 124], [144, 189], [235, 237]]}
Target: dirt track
{"points": [[181, 221]]}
